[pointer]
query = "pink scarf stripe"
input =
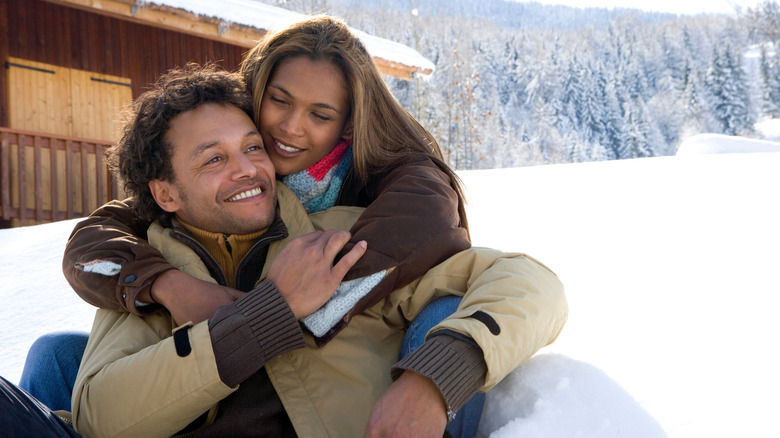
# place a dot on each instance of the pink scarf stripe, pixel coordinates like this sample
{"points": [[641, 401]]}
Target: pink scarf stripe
{"points": [[321, 168]]}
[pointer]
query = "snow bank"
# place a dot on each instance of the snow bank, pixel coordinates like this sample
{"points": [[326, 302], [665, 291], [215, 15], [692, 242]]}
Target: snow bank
{"points": [[769, 129], [532, 401], [724, 144]]}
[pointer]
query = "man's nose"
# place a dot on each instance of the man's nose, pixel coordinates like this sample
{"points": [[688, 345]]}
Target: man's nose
{"points": [[243, 167]]}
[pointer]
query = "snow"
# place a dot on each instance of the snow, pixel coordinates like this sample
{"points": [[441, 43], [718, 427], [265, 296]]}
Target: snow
{"points": [[670, 270], [261, 16], [769, 129], [720, 144]]}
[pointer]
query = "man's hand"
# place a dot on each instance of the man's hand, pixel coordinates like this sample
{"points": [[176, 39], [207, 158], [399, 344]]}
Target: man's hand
{"points": [[411, 407], [304, 271], [190, 299]]}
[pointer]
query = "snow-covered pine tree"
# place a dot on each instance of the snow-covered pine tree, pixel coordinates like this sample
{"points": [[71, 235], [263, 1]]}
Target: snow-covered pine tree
{"points": [[770, 84], [639, 131], [729, 92]]}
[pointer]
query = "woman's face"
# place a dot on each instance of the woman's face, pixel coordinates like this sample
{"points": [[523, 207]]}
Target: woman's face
{"points": [[303, 114]]}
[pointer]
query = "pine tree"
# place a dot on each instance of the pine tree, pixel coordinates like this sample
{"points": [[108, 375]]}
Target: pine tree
{"points": [[639, 135], [590, 108], [613, 134], [569, 92], [729, 92], [770, 84]]}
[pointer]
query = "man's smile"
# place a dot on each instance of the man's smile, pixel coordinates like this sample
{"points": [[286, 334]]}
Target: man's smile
{"points": [[246, 194]]}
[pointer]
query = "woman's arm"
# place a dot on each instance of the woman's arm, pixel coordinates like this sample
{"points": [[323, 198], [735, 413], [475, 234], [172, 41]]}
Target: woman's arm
{"points": [[110, 264], [411, 225]]}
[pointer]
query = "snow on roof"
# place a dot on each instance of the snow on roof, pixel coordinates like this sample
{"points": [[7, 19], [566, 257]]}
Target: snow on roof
{"points": [[254, 14]]}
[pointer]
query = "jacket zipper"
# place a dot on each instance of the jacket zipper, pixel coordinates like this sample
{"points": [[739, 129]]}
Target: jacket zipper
{"points": [[191, 240], [68, 421], [271, 239], [222, 281], [343, 183]]}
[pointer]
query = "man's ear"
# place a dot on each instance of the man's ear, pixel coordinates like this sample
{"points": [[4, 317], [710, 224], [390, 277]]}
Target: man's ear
{"points": [[165, 194], [346, 133]]}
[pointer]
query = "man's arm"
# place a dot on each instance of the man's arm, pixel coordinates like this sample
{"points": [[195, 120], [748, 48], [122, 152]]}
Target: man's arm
{"points": [[305, 277], [138, 380], [512, 307]]}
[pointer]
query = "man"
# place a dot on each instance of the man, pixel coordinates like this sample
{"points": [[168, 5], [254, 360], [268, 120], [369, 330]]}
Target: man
{"points": [[250, 369]]}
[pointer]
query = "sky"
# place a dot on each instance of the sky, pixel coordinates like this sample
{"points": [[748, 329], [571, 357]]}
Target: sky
{"points": [[669, 265], [672, 6]]}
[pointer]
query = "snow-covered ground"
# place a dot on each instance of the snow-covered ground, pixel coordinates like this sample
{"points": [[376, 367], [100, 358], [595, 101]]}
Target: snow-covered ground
{"points": [[670, 268]]}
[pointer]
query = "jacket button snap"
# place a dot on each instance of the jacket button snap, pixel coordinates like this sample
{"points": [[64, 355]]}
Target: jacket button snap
{"points": [[130, 278]]}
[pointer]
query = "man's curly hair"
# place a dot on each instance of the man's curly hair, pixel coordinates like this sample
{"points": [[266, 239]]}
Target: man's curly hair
{"points": [[143, 153]]}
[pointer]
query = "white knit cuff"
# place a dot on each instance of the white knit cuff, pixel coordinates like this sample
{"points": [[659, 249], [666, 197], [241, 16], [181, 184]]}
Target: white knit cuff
{"points": [[345, 298]]}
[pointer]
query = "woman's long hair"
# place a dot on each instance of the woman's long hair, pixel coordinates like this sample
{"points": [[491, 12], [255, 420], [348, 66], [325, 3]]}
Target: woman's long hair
{"points": [[384, 133]]}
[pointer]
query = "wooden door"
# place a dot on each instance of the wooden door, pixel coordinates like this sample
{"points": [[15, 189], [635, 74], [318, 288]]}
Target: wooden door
{"points": [[57, 100], [47, 99], [39, 97]]}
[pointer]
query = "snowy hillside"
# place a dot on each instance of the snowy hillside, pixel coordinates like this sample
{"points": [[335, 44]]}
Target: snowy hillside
{"points": [[669, 265]]}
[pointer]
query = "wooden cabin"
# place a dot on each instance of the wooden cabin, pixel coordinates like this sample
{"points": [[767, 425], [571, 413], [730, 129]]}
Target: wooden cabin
{"points": [[71, 65]]}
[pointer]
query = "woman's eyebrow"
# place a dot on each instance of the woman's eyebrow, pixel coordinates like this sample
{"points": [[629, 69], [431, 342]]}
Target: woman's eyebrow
{"points": [[318, 105]]}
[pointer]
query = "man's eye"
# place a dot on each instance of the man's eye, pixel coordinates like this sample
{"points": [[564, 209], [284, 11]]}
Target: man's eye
{"points": [[214, 160]]}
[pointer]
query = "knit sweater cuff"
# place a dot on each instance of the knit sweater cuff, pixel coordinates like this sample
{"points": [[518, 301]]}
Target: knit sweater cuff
{"points": [[455, 366], [248, 333]]}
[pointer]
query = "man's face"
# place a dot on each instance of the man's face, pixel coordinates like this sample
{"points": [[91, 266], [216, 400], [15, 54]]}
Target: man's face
{"points": [[223, 179]]}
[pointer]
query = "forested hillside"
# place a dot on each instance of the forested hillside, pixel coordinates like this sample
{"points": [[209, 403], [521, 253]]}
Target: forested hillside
{"points": [[521, 84]]}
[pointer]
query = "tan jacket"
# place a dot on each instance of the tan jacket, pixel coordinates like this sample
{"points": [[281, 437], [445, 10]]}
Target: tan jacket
{"points": [[132, 382]]}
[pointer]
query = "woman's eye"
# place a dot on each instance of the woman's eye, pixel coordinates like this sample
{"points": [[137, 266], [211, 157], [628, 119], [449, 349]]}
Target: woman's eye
{"points": [[321, 116]]}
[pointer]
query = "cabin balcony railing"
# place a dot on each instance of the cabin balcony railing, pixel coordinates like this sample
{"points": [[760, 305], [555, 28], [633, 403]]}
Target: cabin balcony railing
{"points": [[47, 178]]}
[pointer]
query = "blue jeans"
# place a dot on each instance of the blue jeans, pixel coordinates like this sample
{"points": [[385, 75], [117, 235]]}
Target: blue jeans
{"points": [[467, 418], [53, 362], [51, 367]]}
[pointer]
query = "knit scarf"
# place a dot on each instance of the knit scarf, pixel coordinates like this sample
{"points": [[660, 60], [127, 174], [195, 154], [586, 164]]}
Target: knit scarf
{"points": [[318, 186]]}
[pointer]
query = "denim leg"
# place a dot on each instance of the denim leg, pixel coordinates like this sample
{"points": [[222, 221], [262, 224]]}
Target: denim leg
{"points": [[23, 416], [51, 367], [467, 418]]}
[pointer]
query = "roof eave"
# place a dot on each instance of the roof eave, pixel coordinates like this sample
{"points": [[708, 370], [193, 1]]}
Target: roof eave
{"points": [[179, 20]]}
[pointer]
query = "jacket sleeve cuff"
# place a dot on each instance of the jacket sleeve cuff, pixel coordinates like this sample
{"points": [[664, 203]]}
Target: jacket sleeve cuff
{"points": [[248, 333], [457, 367]]}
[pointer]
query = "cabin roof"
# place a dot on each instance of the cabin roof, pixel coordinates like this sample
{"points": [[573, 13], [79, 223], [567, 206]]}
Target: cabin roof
{"points": [[243, 23]]}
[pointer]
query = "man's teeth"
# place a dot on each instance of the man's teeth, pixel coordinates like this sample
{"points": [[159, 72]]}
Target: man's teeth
{"points": [[287, 148], [246, 194]]}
